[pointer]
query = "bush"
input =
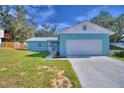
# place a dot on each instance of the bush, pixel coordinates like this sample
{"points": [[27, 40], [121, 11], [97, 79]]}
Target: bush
{"points": [[119, 54], [57, 55]]}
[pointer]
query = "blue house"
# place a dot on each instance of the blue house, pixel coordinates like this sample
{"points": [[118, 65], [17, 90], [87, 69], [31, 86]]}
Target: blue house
{"points": [[82, 39], [43, 44]]}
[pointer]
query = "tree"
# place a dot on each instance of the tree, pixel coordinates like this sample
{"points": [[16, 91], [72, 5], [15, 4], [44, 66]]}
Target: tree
{"points": [[46, 30], [104, 19], [5, 18], [118, 28], [115, 24], [16, 22], [23, 27]]}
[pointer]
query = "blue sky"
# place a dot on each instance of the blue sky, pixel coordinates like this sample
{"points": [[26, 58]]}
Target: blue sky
{"points": [[66, 16]]}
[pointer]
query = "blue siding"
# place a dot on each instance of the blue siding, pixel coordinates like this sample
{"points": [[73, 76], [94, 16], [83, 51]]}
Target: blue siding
{"points": [[34, 45], [64, 37], [55, 46]]}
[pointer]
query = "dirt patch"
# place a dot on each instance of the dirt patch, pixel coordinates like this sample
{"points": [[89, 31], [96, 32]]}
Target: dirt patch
{"points": [[42, 67], [39, 73], [61, 81], [60, 73], [22, 74], [3, 69], [49, 69], [9, 83]]}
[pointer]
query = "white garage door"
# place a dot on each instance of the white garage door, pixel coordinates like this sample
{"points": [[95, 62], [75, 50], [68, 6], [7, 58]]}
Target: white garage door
{"points": [[83, 47]]}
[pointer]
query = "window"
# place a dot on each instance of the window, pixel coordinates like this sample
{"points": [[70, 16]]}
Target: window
{"points": [[40, 44], [84, 27]]}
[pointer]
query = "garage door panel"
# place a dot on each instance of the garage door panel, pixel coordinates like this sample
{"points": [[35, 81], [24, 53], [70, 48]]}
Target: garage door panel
{"points": [[83, 47]]}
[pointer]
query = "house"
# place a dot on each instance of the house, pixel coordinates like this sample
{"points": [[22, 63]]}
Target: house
{"points": [[82, 39], [1, 35], [43, 44], [7, 36], [117, 45], [4, 37]]}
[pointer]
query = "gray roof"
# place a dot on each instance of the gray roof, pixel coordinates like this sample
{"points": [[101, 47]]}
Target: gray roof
{"points": [[98, 28], [43, 39], [118, 44]]}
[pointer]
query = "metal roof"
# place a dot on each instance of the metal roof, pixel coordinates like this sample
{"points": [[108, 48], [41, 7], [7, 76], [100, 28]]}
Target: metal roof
{"points": [[118, 44], [43, 39]]}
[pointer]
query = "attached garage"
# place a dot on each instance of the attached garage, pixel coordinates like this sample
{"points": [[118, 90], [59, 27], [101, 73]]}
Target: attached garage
{"points": [[84, 44], [84, 39], [83, 47]]}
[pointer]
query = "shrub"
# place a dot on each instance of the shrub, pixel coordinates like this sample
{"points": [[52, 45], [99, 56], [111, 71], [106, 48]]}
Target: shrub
{"points": [[57, 55], [119, 54]]}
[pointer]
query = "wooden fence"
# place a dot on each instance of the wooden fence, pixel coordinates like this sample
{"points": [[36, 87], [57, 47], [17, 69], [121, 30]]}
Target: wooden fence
{"points": [[9, 44], [16, 45]]}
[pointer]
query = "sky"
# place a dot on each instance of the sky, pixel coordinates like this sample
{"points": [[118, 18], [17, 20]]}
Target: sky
{"points": [[67, 15]]}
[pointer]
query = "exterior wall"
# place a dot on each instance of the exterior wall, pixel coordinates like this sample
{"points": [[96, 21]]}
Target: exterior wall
{"points": [[55, 46], [103, 37], [0, 41], [1, 33], [34, 46]]}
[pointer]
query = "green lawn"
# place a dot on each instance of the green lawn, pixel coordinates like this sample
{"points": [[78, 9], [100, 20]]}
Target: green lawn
{"points": [[115, 57], [22, 68], [118, 58]]}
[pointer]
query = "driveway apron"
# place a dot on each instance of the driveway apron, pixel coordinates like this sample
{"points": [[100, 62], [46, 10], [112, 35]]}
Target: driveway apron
{"points": [[99, 72]]}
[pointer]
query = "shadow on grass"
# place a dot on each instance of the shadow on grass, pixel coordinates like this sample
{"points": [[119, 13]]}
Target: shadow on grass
{"points": [[39, 54], [22, 49]]}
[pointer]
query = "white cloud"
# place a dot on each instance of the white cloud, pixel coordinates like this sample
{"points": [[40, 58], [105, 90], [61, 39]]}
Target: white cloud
{"points": [[41, 13], [63, 25], [12, 12], [28, 17], [96, 11], [48, 14], [100, 8], [91, 13], [39, 27], [81, 18]]}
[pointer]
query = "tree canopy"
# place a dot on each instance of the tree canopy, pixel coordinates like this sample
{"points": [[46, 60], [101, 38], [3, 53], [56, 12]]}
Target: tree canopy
{"points": [[46, 30], [115, 24], [16, 23]]}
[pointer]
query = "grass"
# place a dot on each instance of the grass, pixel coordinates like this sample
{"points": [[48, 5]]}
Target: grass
{"points": [[116, 57], [22, 68], [39, 54]]}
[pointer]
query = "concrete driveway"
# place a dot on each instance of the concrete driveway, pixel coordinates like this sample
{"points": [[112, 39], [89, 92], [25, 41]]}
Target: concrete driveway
{"points": [[99, 72]]}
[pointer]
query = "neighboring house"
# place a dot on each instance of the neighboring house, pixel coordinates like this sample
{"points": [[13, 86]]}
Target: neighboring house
{"points": [[82, 39], [117, 45], [7, 36], [1, 35], [4, 37], [123, 38], [43, 44]]}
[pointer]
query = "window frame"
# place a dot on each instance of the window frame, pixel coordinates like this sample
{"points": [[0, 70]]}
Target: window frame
{"points": [[84, 27], [40, 44]]}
